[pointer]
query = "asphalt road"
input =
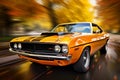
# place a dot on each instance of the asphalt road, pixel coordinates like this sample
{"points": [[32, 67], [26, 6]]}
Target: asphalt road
{"points": [[103, 67]]}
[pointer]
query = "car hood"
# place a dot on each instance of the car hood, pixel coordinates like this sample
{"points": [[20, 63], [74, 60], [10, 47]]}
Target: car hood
{"points": [[47, 37]]}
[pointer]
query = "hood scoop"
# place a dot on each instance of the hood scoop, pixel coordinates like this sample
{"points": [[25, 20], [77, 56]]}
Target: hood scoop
{"points": [[51, 33]]}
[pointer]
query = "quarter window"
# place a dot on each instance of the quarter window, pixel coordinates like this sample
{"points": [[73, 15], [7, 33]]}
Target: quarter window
{"points": [[96, 29]]}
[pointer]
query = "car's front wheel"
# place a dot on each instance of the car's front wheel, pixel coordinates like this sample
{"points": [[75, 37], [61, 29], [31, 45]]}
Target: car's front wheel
{"points": [[82, 65]]}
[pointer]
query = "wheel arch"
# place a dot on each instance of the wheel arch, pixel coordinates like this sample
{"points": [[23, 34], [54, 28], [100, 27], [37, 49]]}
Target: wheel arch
{"points": [[88, 47], [83, 50], [78, 66]]}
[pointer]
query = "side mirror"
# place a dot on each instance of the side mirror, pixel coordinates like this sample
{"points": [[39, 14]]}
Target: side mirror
{"points": [[98, 31]]}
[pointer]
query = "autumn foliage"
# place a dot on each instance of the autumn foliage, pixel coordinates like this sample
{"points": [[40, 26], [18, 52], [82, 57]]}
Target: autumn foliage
{"points": [[53, 12]]}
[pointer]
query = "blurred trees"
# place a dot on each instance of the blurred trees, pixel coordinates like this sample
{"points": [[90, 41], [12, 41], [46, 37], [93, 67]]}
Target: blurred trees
{"points": [[61, 11], [109, 13], [48, 5], [5, 21], [74, 11], [17, 9], [57, 11], [23, 8]]}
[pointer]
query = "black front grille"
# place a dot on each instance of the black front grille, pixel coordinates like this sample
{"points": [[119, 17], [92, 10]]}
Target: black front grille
{"points": [[35, 47]]}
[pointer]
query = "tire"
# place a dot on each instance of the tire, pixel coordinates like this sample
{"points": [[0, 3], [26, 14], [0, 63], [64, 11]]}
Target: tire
{"points": [[82, 65], [103, 50]]}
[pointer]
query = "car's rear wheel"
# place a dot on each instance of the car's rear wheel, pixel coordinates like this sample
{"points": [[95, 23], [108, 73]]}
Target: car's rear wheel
{"points": [[103, 50], [82, 65]]}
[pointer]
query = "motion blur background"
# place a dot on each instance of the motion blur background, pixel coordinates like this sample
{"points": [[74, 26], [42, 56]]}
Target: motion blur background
{"points": [[26, 17]]}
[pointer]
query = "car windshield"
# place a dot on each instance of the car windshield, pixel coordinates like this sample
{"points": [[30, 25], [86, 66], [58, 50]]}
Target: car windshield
{"points": [[77, 27]]}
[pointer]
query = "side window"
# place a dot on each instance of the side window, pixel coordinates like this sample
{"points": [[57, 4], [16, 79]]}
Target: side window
{"points": [[96, 29]]}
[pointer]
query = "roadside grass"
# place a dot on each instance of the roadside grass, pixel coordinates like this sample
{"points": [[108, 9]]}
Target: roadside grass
{"points": [[6, 38], [117, 33]]}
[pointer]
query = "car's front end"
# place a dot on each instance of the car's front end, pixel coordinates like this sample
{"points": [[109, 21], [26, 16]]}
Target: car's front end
{"points": [[48, 48], [42, 51]]}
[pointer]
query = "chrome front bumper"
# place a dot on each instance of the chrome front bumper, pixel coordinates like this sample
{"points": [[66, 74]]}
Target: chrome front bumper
{"points": [[42, 56]]}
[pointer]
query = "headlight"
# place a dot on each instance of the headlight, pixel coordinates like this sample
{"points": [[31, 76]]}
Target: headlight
{"points": [[19, 45], [57, 48], [64, 49], [15, 45]]}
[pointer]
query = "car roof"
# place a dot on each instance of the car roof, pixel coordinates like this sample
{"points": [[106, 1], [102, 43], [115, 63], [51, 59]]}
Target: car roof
{"points": [[73, 23]]}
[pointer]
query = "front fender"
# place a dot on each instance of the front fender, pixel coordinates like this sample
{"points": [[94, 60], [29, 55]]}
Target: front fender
{"points": [[76, 52]]}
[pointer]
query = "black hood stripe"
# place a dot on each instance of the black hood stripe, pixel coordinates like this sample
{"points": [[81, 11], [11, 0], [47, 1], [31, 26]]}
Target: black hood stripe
{"points": [[28, 39], [39, 38], [44, 35]]}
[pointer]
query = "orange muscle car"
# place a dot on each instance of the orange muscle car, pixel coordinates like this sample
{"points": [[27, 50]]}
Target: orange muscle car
{"points": [[67, 43]]}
